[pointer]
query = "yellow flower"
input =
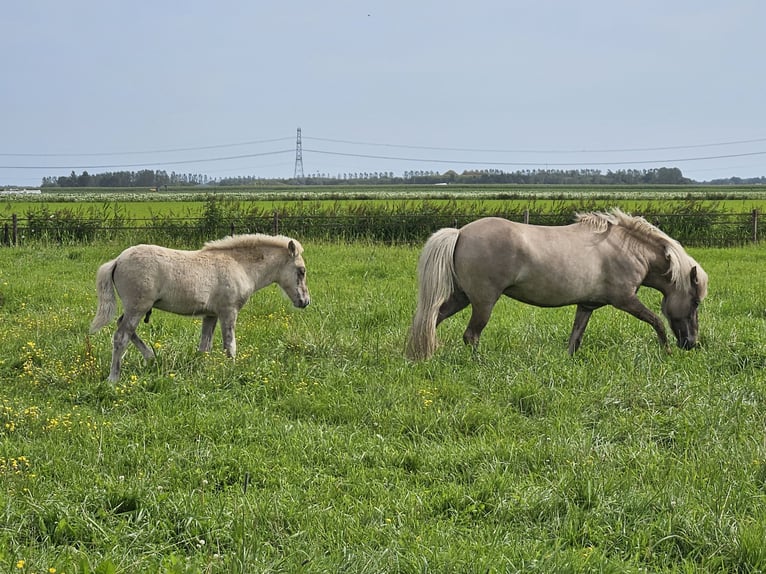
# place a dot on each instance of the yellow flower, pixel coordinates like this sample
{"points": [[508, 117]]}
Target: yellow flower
{"points": [[20, 564]]}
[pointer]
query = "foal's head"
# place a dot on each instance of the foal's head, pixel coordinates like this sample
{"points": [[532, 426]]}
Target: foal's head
{"points": [[680, 306], [292, 275]]}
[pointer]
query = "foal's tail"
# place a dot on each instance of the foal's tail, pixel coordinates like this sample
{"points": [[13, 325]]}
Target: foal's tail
{"points": [[107, 301], [436, 282]]}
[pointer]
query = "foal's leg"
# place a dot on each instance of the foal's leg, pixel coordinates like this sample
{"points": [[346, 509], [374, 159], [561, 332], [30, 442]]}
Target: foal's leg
{"points": [[208, 327], [145, 349], [582, 316], [126, 332], [640, 311], [228, 322]]}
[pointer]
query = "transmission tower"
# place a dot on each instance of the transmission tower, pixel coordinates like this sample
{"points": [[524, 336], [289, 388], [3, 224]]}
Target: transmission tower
{"points": [[298, 174]]}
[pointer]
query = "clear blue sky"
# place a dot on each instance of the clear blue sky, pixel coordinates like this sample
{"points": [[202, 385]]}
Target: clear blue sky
{"points": [[435, 85]]}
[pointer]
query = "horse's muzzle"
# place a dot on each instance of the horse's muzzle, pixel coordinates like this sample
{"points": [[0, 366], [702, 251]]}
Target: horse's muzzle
{"points": [[686, 344]]}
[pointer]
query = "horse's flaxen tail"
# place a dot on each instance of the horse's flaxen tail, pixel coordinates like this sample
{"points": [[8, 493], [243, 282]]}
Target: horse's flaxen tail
{"points": [[107, 301], [436, 282]]}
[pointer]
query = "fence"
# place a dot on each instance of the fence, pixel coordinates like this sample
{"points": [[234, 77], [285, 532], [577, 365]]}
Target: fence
{"points": [[692, 229]]}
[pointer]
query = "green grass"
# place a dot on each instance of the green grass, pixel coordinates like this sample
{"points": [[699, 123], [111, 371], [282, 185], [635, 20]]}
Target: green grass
{"points": [[321, 449]]}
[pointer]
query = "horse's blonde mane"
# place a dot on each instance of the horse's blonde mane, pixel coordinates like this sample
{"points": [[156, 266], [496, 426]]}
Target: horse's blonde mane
{"points": [[680, 262], [250, 240]]}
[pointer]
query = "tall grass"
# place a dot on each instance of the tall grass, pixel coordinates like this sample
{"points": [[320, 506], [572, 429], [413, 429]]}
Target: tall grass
{"points": [[321, 449]]}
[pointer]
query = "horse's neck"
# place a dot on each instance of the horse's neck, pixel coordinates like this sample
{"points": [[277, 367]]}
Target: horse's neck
{"points": [[260, 267], [658, 275]]}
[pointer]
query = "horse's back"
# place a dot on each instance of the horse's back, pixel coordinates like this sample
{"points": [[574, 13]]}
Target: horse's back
{"points": [[537, 264]]}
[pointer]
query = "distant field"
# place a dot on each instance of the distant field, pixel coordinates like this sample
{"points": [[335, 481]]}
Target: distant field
{"points": [[182, 203]]}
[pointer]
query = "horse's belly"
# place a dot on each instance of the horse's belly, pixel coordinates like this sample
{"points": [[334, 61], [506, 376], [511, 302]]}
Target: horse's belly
{"points": [[549, 295], [184, 306]]}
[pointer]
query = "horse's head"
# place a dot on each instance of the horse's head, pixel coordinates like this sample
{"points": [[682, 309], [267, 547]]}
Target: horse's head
{"points": [[680, 306], [292, 276]]}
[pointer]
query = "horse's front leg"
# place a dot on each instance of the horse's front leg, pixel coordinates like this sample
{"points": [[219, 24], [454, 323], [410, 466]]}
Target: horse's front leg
{"points": [[208, 327], [228, 322], [582, 316], [640, 311]]}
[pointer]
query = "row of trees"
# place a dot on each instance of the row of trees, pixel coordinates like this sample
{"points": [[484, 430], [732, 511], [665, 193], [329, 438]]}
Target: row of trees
{"points": [[662, 176], [142, 178], [157, 179]]}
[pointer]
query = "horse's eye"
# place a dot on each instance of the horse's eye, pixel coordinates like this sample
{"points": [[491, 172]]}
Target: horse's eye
{"points": [[301, 271]]}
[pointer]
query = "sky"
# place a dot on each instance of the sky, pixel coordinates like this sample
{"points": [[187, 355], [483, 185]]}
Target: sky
{"points": [[221, 87]]}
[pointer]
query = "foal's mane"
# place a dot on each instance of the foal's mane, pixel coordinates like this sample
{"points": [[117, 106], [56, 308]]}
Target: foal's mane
{"points": [[641, 231], [250, 240]]}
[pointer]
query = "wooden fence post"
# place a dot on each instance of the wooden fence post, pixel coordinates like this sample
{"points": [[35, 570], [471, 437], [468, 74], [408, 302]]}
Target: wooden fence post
{"points": [[275, 225], [526, 216], [14, 230], [755, 226]]}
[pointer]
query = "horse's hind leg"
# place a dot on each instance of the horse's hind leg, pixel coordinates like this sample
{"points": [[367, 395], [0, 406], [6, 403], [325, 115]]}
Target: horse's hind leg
{"points": [[208, 327], [125, 333], [480, 313], [145, 349], [457, 302], [582, 316]]}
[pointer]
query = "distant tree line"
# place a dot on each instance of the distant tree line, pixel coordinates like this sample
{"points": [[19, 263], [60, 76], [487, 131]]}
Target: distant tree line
{"points": [[157, 179], [142, 178]]}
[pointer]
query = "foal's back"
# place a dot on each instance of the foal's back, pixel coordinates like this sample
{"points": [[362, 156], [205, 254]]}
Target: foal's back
{"points": [[179, 281]]}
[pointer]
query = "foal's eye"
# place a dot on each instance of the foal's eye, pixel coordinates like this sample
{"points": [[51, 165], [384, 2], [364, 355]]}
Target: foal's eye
{"points": [[301, 271]]}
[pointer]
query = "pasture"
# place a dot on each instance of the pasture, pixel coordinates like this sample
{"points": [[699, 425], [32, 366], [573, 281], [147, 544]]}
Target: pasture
{"points": [[321, 449]]}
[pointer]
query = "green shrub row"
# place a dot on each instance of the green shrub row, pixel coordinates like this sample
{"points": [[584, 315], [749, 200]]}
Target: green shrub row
{"points": [[692, 223]]}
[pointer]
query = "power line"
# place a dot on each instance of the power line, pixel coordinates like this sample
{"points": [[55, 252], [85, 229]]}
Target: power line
{"points": [[534, 164], [122, 165], [299, 155], [541, 151], [167, 150]]}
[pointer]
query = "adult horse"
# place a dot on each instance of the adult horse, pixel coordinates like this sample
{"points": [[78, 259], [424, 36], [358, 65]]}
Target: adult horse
{"points": [[214, 282], [601, 259]]}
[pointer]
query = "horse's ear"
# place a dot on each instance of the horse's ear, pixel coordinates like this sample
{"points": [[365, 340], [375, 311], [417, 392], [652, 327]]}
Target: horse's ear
{"points": [[291, 249], [693, 274]]}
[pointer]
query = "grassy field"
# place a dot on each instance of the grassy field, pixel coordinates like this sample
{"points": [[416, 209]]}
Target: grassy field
{"points": [[322, 450]]}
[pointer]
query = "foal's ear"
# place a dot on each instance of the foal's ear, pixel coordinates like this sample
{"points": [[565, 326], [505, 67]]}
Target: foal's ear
{"points": [[292, 249], [693, 274]]}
